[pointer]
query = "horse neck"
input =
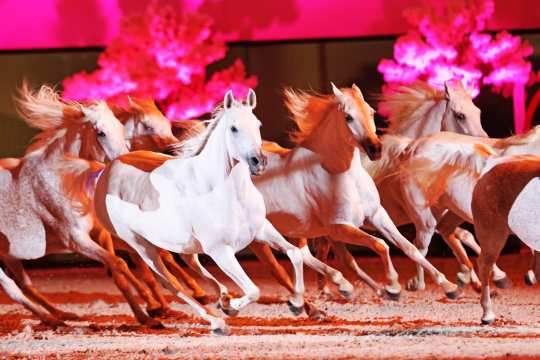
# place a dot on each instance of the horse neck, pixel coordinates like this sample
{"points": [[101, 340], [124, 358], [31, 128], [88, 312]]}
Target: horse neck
{"points": [[429, 123], [214, 162], [335, 151]]}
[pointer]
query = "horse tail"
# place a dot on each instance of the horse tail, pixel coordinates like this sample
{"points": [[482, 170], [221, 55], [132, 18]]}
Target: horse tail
{"points": [[78, 179]]}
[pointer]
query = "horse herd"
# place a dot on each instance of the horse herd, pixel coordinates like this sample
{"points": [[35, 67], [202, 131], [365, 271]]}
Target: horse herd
{"points": [[100, 178]]}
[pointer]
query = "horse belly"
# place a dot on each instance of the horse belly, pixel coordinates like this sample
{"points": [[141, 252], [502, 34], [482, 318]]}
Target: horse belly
{"points": [[524, 214]]}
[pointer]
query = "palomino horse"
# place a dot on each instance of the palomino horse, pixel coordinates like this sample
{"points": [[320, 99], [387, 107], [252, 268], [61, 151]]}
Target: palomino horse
{"points": [[413, 110], [205, 203], [320, 188], [505, 200], [36, 218]]}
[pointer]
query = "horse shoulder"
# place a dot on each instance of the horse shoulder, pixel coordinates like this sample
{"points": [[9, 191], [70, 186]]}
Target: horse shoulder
{"points": [[129, 179]]}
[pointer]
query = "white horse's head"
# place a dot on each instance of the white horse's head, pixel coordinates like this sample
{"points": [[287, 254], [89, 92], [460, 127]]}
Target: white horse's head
{"points": [[243, 136], [107, 129], [461, 115], [359, 119]]}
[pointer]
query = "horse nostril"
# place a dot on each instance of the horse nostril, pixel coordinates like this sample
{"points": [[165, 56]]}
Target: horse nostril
{"points": [[254, 160]]}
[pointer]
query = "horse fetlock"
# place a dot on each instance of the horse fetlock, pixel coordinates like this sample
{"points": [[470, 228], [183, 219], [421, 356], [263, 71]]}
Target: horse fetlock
{"points": [[530, 278], [414, 284]]}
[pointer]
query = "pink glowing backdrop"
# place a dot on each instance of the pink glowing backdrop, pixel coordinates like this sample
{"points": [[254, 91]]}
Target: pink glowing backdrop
{"points": [[28, 24]]}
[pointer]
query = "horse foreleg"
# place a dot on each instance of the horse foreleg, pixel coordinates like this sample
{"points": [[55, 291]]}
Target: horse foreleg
{"points": [[224, 299], [322, 249], [352, 235], [13, 291], [382, 222], [25, 284], [198, 293]]}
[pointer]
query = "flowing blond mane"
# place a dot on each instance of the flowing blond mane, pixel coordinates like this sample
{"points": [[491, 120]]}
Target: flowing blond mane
{"points": [[307, 111], [404, 105], [137, 108], [44, 109]]}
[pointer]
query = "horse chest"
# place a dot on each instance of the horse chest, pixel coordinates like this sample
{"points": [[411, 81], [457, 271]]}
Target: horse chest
{"points": [[524, 213]]}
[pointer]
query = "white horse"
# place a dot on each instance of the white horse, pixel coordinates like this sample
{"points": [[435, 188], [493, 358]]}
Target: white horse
{"points": [[203, 204], [36, 218]]}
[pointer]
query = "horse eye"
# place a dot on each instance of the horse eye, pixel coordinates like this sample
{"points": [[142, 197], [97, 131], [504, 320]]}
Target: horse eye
{"points": [[147, 127], [349, 118], [234, 129], [100, 133], [459, 116]]}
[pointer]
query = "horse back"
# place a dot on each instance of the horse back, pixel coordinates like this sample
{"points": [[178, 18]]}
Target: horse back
{"points": [[146, 161]]}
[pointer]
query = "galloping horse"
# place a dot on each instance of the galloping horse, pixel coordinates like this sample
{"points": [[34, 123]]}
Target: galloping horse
{"points": [[205, 203], [36, 218], [505, 200]]}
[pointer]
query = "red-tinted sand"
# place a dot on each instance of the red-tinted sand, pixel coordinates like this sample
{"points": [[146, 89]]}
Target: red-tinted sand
{"points": [[420, 326]]}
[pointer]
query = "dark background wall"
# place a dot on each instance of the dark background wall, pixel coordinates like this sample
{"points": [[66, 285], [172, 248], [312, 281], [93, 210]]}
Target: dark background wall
{"points": [[301, 64]]}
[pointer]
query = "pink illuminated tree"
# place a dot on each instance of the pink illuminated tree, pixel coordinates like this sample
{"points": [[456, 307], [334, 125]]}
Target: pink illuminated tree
{"points": [[163, 54], [446, 43]]}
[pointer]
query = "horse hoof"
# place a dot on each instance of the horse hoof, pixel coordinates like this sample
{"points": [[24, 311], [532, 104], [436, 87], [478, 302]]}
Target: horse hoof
{"points": [[317, 315], [157, 312], [296, 310], [53, 322], [392, 295], [487, 321], [346, 294], [452, 295], [530, 279], [203, 300], [63, 315], [220, 331], [503, 283], [230, 312], [153, 324]]}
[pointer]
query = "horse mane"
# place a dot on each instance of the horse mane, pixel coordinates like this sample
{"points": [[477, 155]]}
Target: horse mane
{"points": [[405, 104], [393, 146], [196, 138], [307, 111], [44, 109], [136, 108], [433, 160], [519, 139], [76, 176]]}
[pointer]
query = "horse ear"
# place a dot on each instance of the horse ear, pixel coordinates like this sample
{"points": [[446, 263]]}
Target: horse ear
{"points": [[338, 93], [251, 99], [228, 100], [448, 90], [134, 103], [358, 92]]}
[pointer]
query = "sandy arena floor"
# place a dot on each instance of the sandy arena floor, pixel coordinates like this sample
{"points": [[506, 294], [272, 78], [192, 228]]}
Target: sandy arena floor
{"points": [[419, 326]]}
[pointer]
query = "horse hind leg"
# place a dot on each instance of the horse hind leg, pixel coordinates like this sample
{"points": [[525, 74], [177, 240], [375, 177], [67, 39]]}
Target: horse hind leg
{"points": [[500, 279], [153, 307], [83, 244], [350, 234], [15, 293], [198, 293], [345, 257], [25, 284], [495, 238]]}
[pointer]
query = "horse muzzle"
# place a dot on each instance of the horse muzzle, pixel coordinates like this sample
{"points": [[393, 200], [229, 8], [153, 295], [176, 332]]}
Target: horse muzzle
{"points": [[257, 163], [373, 149]]}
